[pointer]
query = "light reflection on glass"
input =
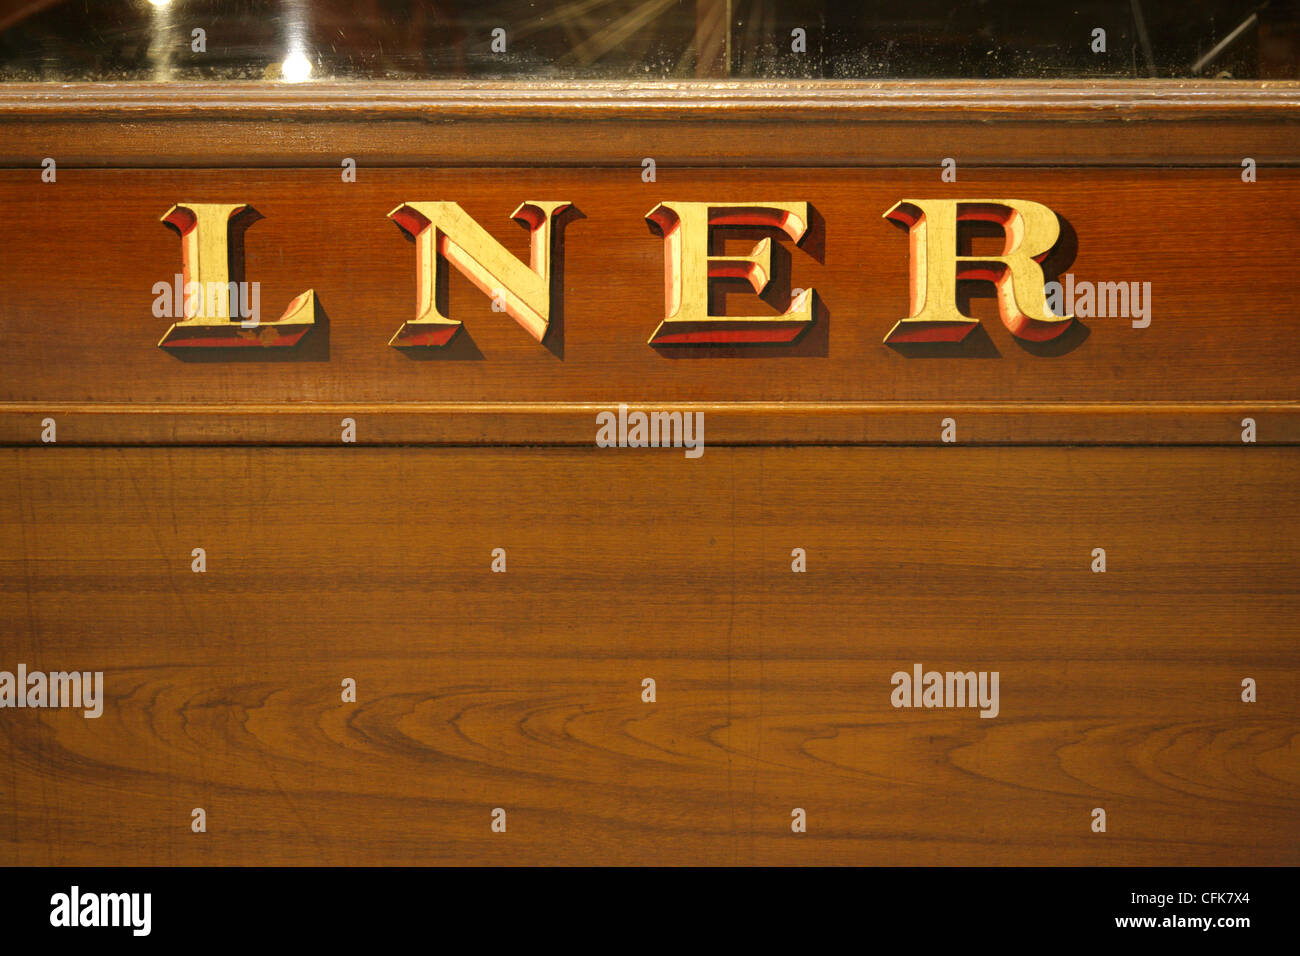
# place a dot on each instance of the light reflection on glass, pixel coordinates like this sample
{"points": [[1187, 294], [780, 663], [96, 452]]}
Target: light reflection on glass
{"points": [[296, 67], [330, 40], [162, 39]]}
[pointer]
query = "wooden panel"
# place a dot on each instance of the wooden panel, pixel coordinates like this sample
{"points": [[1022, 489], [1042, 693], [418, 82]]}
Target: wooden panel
{"points": [[522, 690], [1172, 123], [83, 255], [727, 423]]}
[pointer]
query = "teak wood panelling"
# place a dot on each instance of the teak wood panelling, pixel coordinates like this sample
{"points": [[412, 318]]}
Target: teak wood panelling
{"points": [[83, 255], [585, 124], [522, 690]]}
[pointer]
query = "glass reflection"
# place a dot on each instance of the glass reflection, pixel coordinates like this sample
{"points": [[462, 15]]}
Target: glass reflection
{"points": [[304, 41]]}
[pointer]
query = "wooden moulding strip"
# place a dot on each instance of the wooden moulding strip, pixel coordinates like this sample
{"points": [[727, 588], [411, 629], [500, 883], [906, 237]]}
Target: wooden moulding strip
{"points": [[574, 423], [697, 123]]}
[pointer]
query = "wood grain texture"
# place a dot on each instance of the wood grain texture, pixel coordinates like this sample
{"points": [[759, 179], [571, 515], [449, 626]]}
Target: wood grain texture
{"points": [[76, 323], [521, 690], [615, 124], [728, 423]]}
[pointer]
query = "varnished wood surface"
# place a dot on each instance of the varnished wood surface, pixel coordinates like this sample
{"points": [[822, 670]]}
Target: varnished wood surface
{"points": [[727, 423], [614, 124], [915, 101], [522, 690], [82, 256]]}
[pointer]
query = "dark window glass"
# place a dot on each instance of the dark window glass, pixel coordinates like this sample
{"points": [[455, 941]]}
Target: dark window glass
{"points": [[645, 39]]}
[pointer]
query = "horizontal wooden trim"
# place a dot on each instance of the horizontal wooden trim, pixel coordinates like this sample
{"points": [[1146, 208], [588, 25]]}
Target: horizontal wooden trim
{"points": [[916, 100], [1031, 123], [726, 423]]}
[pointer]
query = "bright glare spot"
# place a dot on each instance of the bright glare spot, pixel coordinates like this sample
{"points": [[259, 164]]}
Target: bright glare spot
{"points": [[161, 3], [296, 68]]}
